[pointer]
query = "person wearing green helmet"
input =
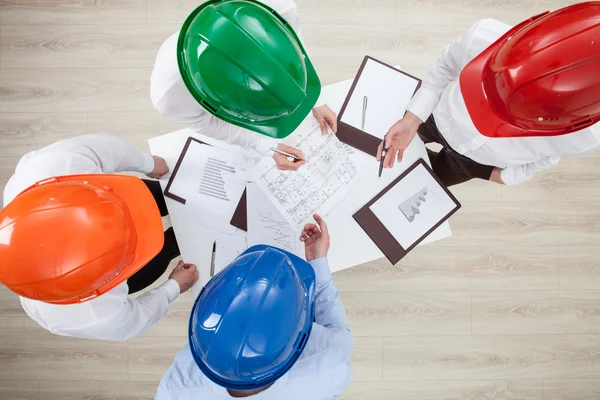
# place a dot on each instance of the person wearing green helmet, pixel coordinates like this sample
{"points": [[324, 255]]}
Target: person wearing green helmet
{"points": [[237, 71]]}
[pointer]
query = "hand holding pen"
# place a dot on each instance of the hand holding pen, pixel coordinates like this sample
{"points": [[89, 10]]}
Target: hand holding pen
{"points": [[287, 158]]}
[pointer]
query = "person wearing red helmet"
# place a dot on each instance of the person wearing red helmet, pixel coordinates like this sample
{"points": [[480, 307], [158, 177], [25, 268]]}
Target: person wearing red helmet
{"points": [[506, 102], [76, 239]]}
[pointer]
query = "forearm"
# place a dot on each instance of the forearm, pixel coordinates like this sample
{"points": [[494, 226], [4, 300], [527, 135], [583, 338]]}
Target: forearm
{"points": [[516, 175], [110, 153], [139, 314], [329, 310]]}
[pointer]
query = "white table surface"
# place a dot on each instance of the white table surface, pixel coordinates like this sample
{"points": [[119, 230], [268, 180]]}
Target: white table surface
{"points": [[350, 245]]}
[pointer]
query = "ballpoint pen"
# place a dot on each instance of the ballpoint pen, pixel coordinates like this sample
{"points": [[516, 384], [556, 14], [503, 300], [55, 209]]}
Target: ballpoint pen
{"points": [[212, 261], [383, 153], [289, 155], [364, 113]]}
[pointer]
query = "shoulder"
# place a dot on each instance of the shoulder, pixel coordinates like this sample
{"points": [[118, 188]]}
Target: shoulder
{"points": [[483, 33], [281, 6], [183, 377], [324, 359], [165, 73]]}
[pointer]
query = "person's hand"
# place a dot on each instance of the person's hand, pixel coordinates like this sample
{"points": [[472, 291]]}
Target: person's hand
{"points": [[496, 177], [185, 275], [325, 116], [283, 163], [160, 168], [398, 138], [316, 239]]}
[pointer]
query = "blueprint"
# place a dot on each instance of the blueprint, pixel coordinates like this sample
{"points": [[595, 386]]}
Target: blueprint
{"points": [[267, 226], [322, 182]]}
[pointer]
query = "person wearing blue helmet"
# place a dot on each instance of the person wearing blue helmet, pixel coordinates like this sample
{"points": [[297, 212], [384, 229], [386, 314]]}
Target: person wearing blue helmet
{"points": [[269, 326]]}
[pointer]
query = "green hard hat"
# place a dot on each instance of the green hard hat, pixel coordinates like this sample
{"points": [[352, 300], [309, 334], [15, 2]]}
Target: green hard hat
{"points": [[245, 64]]}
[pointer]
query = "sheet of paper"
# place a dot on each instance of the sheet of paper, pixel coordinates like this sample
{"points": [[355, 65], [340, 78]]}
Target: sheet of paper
{"points": [[228, 248], [266, 225], [207, 180], [413, 206], [384, 93], [326, 178]]}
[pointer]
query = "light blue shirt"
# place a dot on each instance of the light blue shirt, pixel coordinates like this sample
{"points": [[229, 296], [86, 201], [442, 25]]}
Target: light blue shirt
{"points": [[322, 371]]}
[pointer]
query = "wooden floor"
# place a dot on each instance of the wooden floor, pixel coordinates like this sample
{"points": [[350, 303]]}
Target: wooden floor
{"points": [[507, 308]]}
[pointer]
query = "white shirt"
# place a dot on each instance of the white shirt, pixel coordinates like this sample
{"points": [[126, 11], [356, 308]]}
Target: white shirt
{"points": [[112, 316], [172, 99], [521, 158], [321, 373]]}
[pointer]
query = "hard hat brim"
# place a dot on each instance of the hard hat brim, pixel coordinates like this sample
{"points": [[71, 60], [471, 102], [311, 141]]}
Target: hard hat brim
{"points": [[307, 275], [146, 219]]}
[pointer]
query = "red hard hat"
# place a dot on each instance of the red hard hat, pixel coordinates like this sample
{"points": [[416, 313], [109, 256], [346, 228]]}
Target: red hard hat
{"points": [[69, 239], [542, 78]]}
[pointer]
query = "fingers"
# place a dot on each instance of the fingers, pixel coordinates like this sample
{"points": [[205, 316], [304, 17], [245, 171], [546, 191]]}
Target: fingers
{"points": [[291, 150], [400, 155], [179, 265], [323, 123], [286, 165], [390, 156], [322, 224], [333, 122], [379, 151]]}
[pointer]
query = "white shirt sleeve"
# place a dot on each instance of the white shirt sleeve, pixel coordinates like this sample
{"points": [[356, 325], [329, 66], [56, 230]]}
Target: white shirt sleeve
{"points": [[513, 176], [132, 316], [109, 153], [444, 71]]}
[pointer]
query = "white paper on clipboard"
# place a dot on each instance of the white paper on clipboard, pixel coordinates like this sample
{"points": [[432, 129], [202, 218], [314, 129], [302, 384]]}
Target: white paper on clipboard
{"points": [[387, 92], [208, 182]]}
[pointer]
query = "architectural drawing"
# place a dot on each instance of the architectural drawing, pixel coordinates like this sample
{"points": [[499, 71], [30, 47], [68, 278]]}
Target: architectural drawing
{"points": [[283, 236], [328, 175]]}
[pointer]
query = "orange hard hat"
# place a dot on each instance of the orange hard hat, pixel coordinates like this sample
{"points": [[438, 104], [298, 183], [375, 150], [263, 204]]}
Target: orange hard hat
{"points": [[69, 239], [542, 78]]}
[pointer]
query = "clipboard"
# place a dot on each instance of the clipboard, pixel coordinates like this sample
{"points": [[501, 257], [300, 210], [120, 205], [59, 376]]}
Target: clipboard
{"points": [[355, 136], [377, 231], [240, 216]]}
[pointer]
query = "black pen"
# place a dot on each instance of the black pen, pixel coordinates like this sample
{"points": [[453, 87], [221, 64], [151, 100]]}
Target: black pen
{"points": [[383, 152], [212, 262]]}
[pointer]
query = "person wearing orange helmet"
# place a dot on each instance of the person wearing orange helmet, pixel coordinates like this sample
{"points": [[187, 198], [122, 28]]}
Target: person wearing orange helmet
{"points": [[76, 240], [506, 102]]}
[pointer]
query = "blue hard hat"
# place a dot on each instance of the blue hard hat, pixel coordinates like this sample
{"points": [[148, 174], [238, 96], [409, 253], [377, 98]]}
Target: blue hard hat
{"points": [[251, 321]]}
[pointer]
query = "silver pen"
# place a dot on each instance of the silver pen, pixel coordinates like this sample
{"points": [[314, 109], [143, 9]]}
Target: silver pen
{"points": [[364, 114], [295, 158]]}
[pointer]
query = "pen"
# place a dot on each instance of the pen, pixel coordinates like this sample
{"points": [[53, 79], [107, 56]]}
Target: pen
{"points": [[295, 158], [212, 261], [364, 114], [383, 152]]}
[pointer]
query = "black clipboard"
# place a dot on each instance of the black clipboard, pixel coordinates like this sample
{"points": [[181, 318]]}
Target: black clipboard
{"points": [[240, 216], [380, 235], [355, 137]]}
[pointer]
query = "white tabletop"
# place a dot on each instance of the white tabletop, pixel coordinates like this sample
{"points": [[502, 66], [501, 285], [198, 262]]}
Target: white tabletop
{"points": [[350, 245]]}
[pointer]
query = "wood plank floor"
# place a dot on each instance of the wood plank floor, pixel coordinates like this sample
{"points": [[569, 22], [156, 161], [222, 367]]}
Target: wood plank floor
{"points": [[508, 308]]}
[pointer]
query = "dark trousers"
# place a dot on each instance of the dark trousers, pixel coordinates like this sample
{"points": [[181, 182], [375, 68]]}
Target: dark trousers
{"points": [[451, 167], [158, 265]]}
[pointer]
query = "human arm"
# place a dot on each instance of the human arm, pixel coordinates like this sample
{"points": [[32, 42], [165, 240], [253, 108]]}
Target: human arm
{"points": [[443, 72], [329, 310], [513, 176], [108, 153], [135, 316]]}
